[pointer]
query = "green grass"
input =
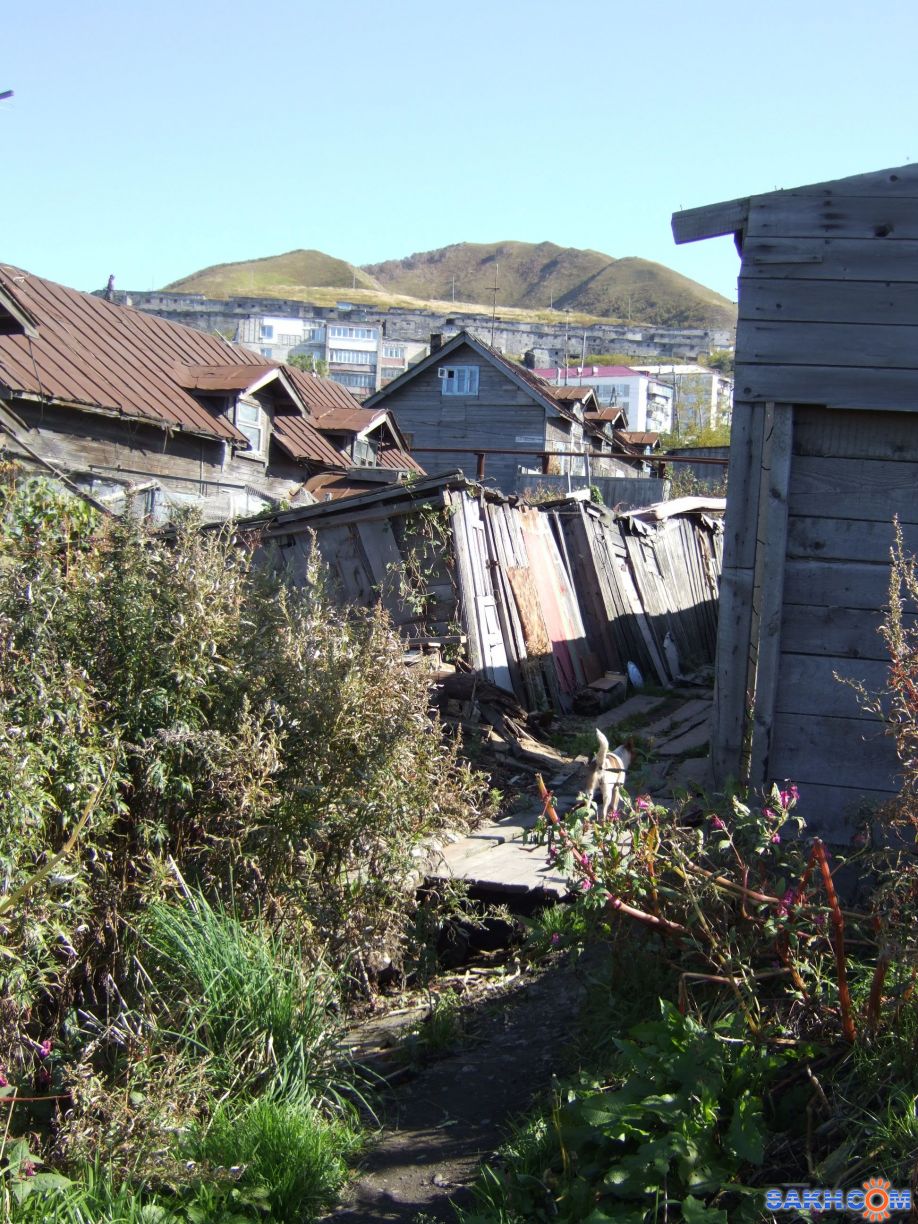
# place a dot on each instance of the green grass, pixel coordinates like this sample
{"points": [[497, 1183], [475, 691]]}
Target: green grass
{"points": [[286, 1148], [245, 999]]}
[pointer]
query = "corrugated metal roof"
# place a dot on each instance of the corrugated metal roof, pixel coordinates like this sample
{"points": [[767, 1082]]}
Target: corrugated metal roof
{"points": [[102, 357], [637, 438], [321, 394], [606, 414], [227, 377], [302, 441]]}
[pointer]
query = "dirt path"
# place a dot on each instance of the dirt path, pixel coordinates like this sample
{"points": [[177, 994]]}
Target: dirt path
{"points": [[443, 1122]]}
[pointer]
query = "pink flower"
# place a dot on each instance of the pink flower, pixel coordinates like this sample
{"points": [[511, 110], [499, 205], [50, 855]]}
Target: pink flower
{"points": [[556, 938], [584, 860], [586, 885], [4, 1082], [643, 803], [45, 1048], [787, 901], [769, 813], [775, 838], [789, 796], [717, 823], [27, 1169]]}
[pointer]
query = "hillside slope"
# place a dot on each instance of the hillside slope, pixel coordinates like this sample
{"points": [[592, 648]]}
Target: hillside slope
{"points": [[276, 276], [532, 275]]}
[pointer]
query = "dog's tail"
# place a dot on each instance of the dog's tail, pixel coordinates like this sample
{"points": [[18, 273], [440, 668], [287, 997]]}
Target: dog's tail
{"points": [[602, 750]]}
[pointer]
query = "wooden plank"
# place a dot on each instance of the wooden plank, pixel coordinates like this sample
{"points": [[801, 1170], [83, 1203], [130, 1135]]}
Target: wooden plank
{"points": [[836, 584], [709, 221], [845, 633], [803, 301], [768, 581], [805, 214], [872, 489], [887, 346], [855, 435], [834, 752], [864, 389], [835, 813], [840, 539], [732, 681], [809, 686], [732, 678], [466, 578], [530, 611], [828, 259]]}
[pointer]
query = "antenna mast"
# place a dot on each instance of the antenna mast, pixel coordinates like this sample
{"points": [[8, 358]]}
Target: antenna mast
{"points": [[494, 300]]}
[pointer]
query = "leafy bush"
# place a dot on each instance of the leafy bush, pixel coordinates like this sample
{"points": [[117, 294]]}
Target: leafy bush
{"points": [[175, 720], [679, 1125]]}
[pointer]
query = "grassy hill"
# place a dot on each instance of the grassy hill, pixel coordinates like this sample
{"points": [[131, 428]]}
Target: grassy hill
{"points": [[457, 279], [531, 275], [274, 275]]}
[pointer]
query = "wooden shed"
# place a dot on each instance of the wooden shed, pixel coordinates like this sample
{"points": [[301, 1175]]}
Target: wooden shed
{"points": [[824, 454]]}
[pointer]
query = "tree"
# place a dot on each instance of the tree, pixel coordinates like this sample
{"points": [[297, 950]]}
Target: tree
{"points": [[310, 363]]}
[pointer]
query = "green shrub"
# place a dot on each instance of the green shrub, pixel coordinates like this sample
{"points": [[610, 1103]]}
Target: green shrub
{"points": [[285, 1148]]}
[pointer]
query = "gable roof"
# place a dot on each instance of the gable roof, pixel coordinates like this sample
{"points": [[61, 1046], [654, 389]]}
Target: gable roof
{"points": [[526, 380], [83, 352], [94, 355]]}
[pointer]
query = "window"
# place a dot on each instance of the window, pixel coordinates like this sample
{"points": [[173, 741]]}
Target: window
{"points": [[250, 420], [352, 356], [352, 380], [458, 380], [365, 452], [395, 351], [266, 352], [353, 333], [267, 331]]}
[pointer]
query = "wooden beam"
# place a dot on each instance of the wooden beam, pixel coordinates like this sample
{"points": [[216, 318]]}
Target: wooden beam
{"points": [[768, 585], [711, 221]]}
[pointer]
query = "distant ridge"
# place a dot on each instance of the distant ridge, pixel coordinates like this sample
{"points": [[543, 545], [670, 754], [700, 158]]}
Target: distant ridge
{"points": [[530, 276]]}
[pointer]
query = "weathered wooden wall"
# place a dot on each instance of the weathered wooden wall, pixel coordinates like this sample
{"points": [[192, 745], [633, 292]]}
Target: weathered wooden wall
{"points": [[824, 454], [545, 601], [501, 416]]}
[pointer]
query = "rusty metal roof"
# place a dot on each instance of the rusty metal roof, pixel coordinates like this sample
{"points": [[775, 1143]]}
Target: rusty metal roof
{"points": [[231, 376], [302, 441], [91, 354]]}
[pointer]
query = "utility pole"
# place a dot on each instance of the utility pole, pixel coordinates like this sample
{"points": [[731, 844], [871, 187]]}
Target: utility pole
{"points": [[494, 302]]}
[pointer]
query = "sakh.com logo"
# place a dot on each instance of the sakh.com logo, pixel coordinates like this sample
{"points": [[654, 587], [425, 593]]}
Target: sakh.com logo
{"points": [[876, 1201]]}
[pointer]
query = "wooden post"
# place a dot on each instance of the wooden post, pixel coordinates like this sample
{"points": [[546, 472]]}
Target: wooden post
{"points": [[768, 586]]}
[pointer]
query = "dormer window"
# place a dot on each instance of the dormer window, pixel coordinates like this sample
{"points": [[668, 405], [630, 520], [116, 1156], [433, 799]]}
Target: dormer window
{"points": [[252, 422], [366, 451]]}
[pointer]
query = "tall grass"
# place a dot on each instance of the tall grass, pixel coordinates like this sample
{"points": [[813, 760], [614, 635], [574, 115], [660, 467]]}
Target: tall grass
{"points": [[246, 1000]]}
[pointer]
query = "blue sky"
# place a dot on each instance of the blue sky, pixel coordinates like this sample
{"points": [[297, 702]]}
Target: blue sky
{"points": [[153, 139]]}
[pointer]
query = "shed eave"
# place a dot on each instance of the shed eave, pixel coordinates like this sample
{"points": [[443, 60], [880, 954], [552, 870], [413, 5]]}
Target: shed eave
{"points": [[710, 221]]}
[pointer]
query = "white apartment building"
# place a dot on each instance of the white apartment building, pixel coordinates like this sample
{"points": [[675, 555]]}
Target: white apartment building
{"points": [[702, 398], [358, 355], [646, 401]]}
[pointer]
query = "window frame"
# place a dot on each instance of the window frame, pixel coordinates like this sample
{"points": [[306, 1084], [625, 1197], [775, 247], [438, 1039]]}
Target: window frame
{"points": [[461, 381]]}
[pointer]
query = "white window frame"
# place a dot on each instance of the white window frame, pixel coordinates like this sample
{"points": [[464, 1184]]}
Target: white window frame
{"points": [[251, 421], [458, 380]]}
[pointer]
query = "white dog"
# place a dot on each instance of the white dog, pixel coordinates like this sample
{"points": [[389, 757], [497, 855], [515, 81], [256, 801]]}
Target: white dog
{"points": [[607, 771]]}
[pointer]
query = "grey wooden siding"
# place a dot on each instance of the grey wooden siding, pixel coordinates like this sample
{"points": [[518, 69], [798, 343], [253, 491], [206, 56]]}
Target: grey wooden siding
{"points": [[824, 454], [828, 302], [497, 417], [133, 452]]}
